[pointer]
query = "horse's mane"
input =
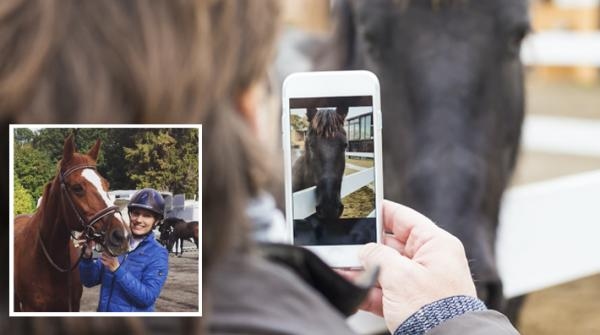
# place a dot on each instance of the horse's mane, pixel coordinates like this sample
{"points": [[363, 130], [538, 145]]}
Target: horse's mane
{"points": [[327, 122]]}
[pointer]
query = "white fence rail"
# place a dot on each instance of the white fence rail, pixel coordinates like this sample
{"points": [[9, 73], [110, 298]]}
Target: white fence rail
{"points": [[305, 201], [359, 154], [562, 48], [562, 135]]}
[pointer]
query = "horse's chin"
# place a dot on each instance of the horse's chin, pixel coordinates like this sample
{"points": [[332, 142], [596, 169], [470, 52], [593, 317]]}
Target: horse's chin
{"points": [[117, 251]]}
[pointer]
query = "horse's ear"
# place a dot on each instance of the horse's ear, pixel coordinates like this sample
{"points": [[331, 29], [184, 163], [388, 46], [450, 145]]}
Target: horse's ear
{"points": [[94, 150], [310, 113], [68, 149], [342, 110]]}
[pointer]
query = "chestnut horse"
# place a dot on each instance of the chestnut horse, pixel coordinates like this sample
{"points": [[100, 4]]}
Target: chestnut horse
{"points": [[45, 260]]}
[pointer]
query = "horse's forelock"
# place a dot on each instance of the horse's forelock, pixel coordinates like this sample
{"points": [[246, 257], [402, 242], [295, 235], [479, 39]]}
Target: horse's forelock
{"points": [[327, 122]]}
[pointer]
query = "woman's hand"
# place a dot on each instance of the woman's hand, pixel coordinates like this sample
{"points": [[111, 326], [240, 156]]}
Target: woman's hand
{"points": [[88, 247], [110, 262]]}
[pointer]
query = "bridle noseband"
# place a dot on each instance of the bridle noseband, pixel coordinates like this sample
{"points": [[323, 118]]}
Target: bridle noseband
{"points": [[89, 232]]}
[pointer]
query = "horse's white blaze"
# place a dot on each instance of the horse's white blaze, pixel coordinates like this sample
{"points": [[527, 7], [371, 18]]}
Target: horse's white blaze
{"points": [[91, 176]]}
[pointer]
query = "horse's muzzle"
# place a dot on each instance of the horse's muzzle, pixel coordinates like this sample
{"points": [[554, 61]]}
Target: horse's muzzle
{"points": [[330, 211], [116, 242]]}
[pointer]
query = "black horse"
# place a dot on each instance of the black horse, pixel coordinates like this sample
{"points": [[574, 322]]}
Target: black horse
{"points": [[323, 161], [452, 107], [176, 230]]}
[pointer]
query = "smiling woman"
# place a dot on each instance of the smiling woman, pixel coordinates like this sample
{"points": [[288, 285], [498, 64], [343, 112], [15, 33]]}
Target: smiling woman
{"points": [[132, 282]]}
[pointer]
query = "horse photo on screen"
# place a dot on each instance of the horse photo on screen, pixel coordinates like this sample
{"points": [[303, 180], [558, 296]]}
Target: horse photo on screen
{"points": [[76, 201], [323, 161], [322, 215]]}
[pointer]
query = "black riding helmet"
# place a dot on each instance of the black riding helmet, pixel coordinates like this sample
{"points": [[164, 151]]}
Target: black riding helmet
{"points": [[150, 199]]}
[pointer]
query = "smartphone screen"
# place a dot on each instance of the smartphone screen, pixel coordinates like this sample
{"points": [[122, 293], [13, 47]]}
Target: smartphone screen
{"points": [[333, 170]]}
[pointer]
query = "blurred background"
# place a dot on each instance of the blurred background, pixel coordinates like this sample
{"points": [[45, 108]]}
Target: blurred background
{"points": [[559, 164]]}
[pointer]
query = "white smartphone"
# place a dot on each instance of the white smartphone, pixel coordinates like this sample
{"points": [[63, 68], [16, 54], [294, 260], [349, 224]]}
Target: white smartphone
{"points": [[331, 125]]}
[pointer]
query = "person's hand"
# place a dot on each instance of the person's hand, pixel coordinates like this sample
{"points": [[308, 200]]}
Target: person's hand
{"points": [[420, 263], [87, 245], [110, 262]]}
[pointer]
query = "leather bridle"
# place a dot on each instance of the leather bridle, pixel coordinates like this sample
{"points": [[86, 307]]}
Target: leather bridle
{"points": [[89, 232]]}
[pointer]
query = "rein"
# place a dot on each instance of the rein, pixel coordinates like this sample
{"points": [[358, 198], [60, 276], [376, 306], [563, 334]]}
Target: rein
{"points": [[58, 268]]}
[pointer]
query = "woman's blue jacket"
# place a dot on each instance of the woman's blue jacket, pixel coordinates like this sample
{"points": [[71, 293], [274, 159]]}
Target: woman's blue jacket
{"points": [[136, 284]]}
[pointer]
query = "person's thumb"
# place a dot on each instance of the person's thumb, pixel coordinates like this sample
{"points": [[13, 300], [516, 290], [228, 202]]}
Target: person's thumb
{"points": [[387, 259]]}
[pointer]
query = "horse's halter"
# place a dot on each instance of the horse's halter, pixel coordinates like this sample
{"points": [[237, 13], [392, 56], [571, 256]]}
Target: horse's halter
{"points": [[89, 232]]}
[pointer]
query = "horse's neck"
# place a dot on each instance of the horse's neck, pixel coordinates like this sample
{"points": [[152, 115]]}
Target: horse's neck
{"points": [[53, 225]]}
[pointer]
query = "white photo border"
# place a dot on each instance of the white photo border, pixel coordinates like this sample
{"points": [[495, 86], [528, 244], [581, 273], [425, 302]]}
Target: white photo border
{"points": [[12, 312]]}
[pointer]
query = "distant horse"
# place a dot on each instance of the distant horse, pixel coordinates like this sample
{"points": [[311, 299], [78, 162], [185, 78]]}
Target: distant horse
{"points": [[323, 161], [452, 107], [45, 260], [174, 231]]}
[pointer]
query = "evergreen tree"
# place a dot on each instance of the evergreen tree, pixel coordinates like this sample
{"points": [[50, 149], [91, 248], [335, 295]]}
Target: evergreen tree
{"points": [[165, 159]]}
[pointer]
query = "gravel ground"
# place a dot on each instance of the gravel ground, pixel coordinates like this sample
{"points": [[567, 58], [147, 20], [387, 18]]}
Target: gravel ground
{"points": [[359, 204]]}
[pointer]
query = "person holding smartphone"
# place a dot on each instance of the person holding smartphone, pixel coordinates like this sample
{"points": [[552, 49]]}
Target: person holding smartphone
{"points": [[205, 61], [425, 283], [131, 282]]}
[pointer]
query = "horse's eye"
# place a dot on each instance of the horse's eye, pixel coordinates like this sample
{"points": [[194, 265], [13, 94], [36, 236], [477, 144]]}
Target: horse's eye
{"points": [[77, 189]]}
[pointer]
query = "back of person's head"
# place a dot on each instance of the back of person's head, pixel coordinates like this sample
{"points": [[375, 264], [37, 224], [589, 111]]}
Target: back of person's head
{"points": [[140, 61], [143, 61]]}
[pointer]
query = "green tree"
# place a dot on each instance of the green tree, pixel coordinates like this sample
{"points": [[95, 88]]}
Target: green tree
{"points": [[33, 169], [51, 141], [298, 123], [113, 167], [24, 202], [166, 159], [186, 174], [23, 135]]}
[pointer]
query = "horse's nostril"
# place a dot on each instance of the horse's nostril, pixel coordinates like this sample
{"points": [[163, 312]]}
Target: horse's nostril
{"points": [[117, 236]]}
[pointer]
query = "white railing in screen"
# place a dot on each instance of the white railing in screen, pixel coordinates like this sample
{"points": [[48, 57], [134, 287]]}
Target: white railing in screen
{"points": [[360, 154], [305, 200]]}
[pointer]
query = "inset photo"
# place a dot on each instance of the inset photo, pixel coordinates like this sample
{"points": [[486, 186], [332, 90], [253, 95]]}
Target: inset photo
{"points": [[105, 220]]}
